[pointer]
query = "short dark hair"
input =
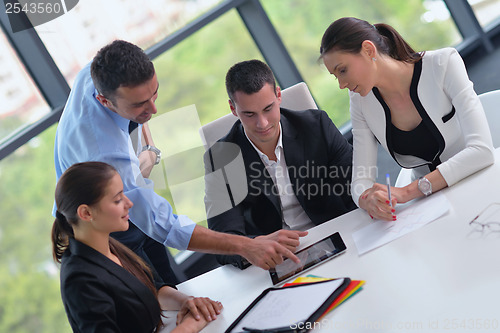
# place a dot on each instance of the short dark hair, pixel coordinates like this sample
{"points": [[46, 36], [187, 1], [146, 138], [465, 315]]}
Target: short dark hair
{"points": [[348, 33], [248, 77], [120, 63]]}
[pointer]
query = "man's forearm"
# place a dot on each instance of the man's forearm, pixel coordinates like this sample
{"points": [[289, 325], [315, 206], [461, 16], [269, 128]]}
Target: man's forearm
{"points": [[262, 252], [209, 241], [147, 138]]}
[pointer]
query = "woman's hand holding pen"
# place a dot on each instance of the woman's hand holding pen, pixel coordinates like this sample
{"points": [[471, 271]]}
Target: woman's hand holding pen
{"points": [[375, 201]]}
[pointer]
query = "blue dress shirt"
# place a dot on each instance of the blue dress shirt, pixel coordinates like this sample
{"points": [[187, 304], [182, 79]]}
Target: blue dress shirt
{"points": [[88, 131]]}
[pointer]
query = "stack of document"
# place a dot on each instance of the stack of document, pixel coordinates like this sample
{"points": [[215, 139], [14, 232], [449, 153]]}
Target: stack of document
{"points": [[295, 306]]}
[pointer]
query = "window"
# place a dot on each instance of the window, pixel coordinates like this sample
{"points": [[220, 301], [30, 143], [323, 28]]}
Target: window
{"points": [[21, 103], [30, 300], [302, 36], [74, 38], [192, 77], [486, 11]]}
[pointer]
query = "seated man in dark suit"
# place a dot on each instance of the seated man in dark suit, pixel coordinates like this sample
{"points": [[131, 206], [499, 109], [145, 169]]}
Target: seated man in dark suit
{"points": [[280, 172]]}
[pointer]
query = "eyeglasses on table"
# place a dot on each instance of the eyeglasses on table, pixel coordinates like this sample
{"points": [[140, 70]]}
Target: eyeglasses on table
{"points": [[488, 219]]}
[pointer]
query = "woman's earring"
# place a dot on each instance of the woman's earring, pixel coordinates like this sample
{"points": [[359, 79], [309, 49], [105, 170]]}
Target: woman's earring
{"points": [[374, 59]]}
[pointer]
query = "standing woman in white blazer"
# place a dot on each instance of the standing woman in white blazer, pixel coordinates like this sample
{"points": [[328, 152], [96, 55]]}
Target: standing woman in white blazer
{"points": [[421, 107]]}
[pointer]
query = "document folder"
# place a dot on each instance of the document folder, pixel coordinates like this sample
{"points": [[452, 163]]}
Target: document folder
{"points": [[289, 309]]}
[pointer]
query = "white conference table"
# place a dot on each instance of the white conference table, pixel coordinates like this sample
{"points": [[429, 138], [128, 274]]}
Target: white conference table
{"points": [[441, 277]]}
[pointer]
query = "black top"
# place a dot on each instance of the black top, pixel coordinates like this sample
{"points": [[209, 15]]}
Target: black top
{"points": [[429, 126], [418, 142], [101, 296]]}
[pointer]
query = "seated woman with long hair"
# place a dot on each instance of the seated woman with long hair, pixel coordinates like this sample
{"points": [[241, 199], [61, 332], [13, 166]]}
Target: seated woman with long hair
{"points": [[420, 106], [106, 287]]}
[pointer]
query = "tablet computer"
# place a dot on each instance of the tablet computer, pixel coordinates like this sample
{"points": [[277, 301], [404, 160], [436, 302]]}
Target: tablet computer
{"points": [[310, 256]]}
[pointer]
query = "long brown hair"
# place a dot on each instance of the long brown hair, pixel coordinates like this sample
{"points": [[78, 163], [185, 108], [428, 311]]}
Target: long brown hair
{"points": [[348, 33], [85, 183]]}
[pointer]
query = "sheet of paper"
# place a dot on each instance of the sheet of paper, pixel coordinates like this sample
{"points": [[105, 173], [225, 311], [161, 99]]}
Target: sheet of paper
{"points": [[410, 218], [286, 307]]}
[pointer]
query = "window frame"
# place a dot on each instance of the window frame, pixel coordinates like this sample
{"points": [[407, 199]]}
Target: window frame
{"points": [[55, 89]]}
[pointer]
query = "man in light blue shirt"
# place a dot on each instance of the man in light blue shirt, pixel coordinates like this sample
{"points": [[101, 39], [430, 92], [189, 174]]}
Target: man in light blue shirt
{"points": [[111, 95]]}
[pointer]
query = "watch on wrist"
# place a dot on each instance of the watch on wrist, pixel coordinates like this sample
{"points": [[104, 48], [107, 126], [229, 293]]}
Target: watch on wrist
{"points": [[154, 150], [425, 186]]}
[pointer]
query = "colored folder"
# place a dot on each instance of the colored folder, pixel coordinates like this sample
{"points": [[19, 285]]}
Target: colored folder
{"points": [[353, 287]]}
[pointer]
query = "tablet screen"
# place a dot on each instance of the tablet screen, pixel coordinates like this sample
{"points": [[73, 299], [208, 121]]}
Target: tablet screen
{"points": [[310, 256]]}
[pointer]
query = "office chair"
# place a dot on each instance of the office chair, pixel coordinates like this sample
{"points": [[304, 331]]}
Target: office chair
{"points": [[491, 106], [296, 97]]}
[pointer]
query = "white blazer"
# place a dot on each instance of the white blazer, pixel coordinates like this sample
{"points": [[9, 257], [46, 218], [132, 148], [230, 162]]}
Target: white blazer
{"points": [[445, 99]]}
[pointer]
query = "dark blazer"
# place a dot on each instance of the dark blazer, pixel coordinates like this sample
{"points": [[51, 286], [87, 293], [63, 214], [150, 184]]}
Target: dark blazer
{"points": [[319, 161], [101, 296]]}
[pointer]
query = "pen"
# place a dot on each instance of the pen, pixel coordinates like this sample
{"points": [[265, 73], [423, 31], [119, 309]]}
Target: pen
{"points": [[388, 181]]}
